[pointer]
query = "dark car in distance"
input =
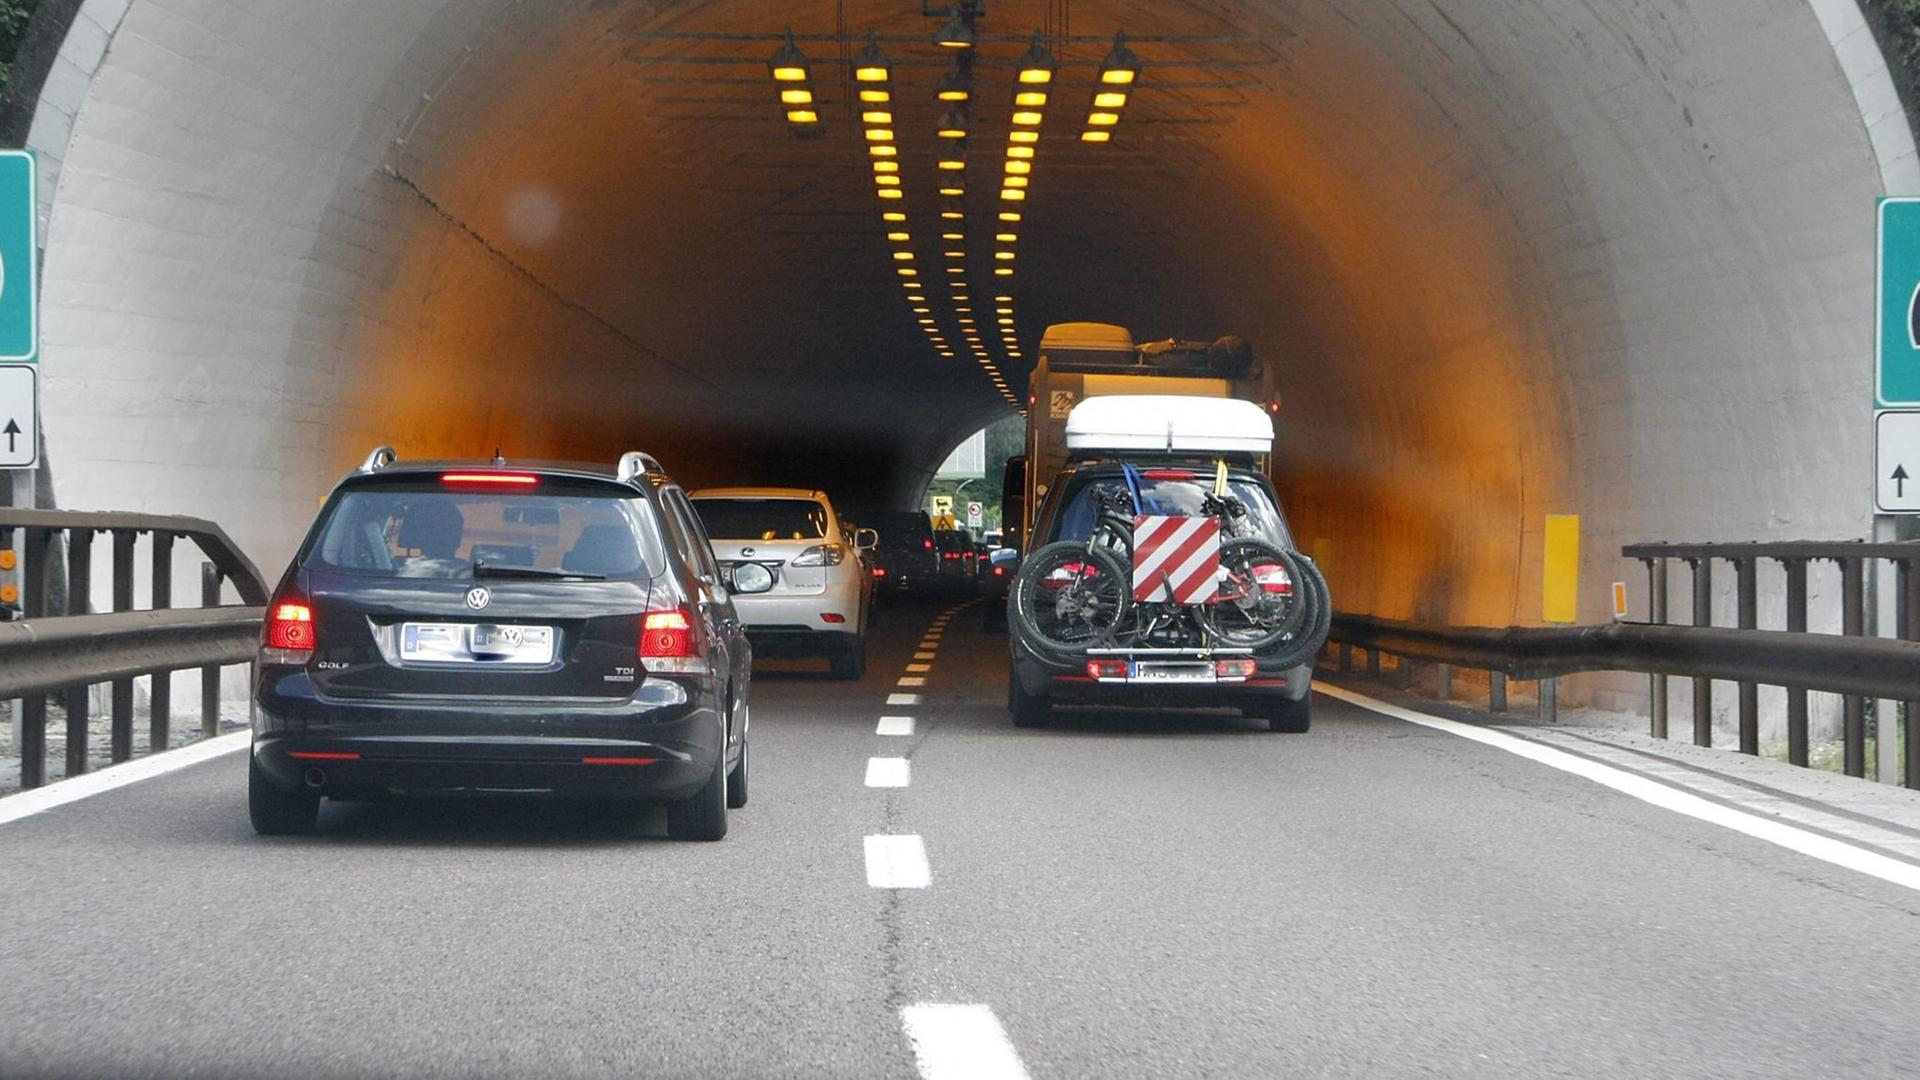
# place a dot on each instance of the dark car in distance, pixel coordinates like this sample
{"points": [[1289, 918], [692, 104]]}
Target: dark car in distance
{"points": [[905, 560], [453, 627]]}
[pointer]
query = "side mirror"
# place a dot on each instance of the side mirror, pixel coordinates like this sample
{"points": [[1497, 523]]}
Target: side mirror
{"points": [[866, 539], [749, 578]]}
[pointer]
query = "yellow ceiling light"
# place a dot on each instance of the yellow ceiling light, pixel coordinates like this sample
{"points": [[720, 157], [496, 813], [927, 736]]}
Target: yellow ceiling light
{"points": [[1028, 119], [956, 269], [963, 310], [903, 256], [788, 64], [1006, 237], [870, 64], [874, 95], [802, 116], [952, 215], [1013, 194], [923, 311], [796, 95], [953, 192], [906, 271], [917, 298], [893, 215], [1004, 256], [880, 135], [926, 322], [953, 125], [1014, 181], [1096, 136], [1009, 215], [1031, 99], [953, 236], [1020, 153], [1003, 271], [1004, 299], [1016, 167], [1121, 66], [1103, 119], [884, 166], [966, 322], [887, 180], [956, 254], [1037, 65], [889, 193], [883, 150], [899, 237], [1023, 136], [951, 165], [1004, 322], [1110, 99], [877, 117]]}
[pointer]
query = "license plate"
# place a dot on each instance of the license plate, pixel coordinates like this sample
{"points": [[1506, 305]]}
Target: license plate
{"points": [[476, 643], [1170, 672]]}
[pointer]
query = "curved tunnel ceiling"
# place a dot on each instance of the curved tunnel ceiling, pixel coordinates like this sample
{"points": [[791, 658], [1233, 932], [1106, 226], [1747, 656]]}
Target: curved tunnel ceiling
{"points": [[1509, 259]]}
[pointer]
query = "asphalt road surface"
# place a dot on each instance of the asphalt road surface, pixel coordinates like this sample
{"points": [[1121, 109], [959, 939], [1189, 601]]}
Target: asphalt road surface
{"points": [[1123, 894]]}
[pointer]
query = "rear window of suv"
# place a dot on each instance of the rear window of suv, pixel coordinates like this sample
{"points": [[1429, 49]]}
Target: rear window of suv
{"points": [[762, 519], [426, 531], [1175, 492]]}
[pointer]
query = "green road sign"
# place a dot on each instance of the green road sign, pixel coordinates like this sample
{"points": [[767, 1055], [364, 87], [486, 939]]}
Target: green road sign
{"points": [[1897, 312]]}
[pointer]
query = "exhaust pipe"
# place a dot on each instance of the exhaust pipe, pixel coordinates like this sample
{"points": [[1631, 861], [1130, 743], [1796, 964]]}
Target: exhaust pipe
{"points": [[315, 777]]}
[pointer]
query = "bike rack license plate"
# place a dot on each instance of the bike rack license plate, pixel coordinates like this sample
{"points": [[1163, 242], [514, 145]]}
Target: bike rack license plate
{"points": [[1171, 671]]}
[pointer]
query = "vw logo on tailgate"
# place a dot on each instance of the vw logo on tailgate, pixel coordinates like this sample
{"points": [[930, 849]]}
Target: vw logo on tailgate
{"points": [[479, 596]]}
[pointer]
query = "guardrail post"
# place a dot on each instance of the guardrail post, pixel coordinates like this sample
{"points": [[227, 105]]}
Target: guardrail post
{"points": [[120, 741], [1910, 582], [1796, 695], [160, 692], [1657, 612], [1496, 691], [1346, 658], [79, 590], [1445, 671], [34, 577], [1373, 663], [1549, 701], [1702, 616], [209, 675], [1746, 594], [1853, 572]]}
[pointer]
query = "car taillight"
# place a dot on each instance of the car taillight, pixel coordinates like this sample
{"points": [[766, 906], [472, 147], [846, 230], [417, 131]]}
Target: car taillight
{"points": [[821, 555], [1106, 669], [928, 544], [289, 632], [999, 571], [1234, 669], [670, 643], [879, 571], [1272, 577]]}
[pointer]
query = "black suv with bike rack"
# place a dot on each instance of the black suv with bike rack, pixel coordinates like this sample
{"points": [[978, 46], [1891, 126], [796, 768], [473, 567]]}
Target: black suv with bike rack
{"points": [[1095, 621]]}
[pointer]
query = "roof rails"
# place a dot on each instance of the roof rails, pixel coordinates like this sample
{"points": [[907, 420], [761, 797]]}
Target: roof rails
{"points": [[633, 463], [379, 459]]}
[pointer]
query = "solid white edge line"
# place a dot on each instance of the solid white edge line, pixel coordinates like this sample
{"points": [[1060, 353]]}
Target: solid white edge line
{"points": [[897, 861], [889, 772], [28, 803], [960, 1042], [894, 725], [1824, 848]]}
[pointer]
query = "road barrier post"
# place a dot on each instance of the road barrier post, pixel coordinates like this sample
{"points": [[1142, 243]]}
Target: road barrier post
{"points": [[160, 692], [1853, 623], [1702, 616], [1549, 701], [1745, 591], [209, 675], [1445, 672], [1496, 692], [1796, 695], [120, 741], [1657, 613], [79, 589]]}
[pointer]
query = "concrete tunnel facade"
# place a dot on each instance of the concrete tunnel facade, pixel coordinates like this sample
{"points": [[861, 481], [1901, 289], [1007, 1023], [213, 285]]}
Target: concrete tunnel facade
{"points": [[1510, 259]]}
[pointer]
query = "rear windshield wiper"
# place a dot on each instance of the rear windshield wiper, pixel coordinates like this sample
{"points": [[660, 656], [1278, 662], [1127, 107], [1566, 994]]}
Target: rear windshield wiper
{"points": [[481, 570]]}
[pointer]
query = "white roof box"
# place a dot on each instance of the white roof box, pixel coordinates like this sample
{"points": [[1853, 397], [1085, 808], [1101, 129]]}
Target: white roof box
{"points": [[1170, 424], [1100, 337]]}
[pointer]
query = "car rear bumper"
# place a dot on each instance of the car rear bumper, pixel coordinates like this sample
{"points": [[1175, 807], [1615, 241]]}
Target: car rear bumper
{"points": [[810, 611], [346, 748], [1287, 684]]}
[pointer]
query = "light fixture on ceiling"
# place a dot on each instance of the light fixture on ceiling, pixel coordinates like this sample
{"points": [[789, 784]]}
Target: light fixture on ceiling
{"points": [[1037, 64], [1121, 67], [870, 64]]}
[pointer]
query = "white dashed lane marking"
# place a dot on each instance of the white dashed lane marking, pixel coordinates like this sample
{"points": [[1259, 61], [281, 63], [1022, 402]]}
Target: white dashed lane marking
{"points": [[903, 699], [919, 667], [960, 1042], [928, 655], [897, 862], [912, 680], [894, 725], [888, 772]]}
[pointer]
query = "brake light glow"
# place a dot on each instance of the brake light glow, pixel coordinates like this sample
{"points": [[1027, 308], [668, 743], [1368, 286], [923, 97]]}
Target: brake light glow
{"points": [[508, 479], [670, 643], [617, 760], [928, 543], [323, 755], [1167, 474], [1106, 669], [832, 617], [999, 571], [1234, 669], [879, 571], [289, 632]]}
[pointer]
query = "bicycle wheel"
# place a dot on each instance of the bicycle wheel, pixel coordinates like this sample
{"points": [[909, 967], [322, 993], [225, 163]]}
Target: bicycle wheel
{"points": [[1312, 587], [1068, 598], [1262, 595]]}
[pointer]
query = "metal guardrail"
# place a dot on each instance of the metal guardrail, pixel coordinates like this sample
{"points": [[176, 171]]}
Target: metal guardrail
{"points": [[63, 652], [1851, 663]]}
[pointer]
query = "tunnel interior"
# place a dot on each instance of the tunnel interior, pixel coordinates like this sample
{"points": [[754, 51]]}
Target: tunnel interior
{"points": [[1506, 259]]}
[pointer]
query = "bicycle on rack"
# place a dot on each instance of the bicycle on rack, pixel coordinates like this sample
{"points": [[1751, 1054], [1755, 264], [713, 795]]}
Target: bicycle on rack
{"points": [[1073, 596]]}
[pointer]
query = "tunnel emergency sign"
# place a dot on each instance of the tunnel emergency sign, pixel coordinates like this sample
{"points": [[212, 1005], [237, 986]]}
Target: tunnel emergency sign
{"points": [[19, 258]]}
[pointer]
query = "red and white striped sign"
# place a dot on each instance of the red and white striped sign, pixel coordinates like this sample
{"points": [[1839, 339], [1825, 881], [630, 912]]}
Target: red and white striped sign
{"points": [[1181, 551]]}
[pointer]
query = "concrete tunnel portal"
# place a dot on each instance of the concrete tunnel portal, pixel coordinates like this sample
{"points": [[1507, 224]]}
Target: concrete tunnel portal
{"points": [[1509, 259]]}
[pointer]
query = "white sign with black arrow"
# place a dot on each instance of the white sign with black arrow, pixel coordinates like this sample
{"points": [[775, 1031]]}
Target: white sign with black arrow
{"points": [[19, 416], [1896, 461]]}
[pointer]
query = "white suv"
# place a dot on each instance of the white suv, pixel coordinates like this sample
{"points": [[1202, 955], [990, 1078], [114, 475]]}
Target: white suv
{"points": [[820, 591]]}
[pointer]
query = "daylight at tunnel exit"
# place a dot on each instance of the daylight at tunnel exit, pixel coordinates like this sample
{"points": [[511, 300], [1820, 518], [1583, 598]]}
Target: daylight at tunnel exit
{"points": [[959, 538]]}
